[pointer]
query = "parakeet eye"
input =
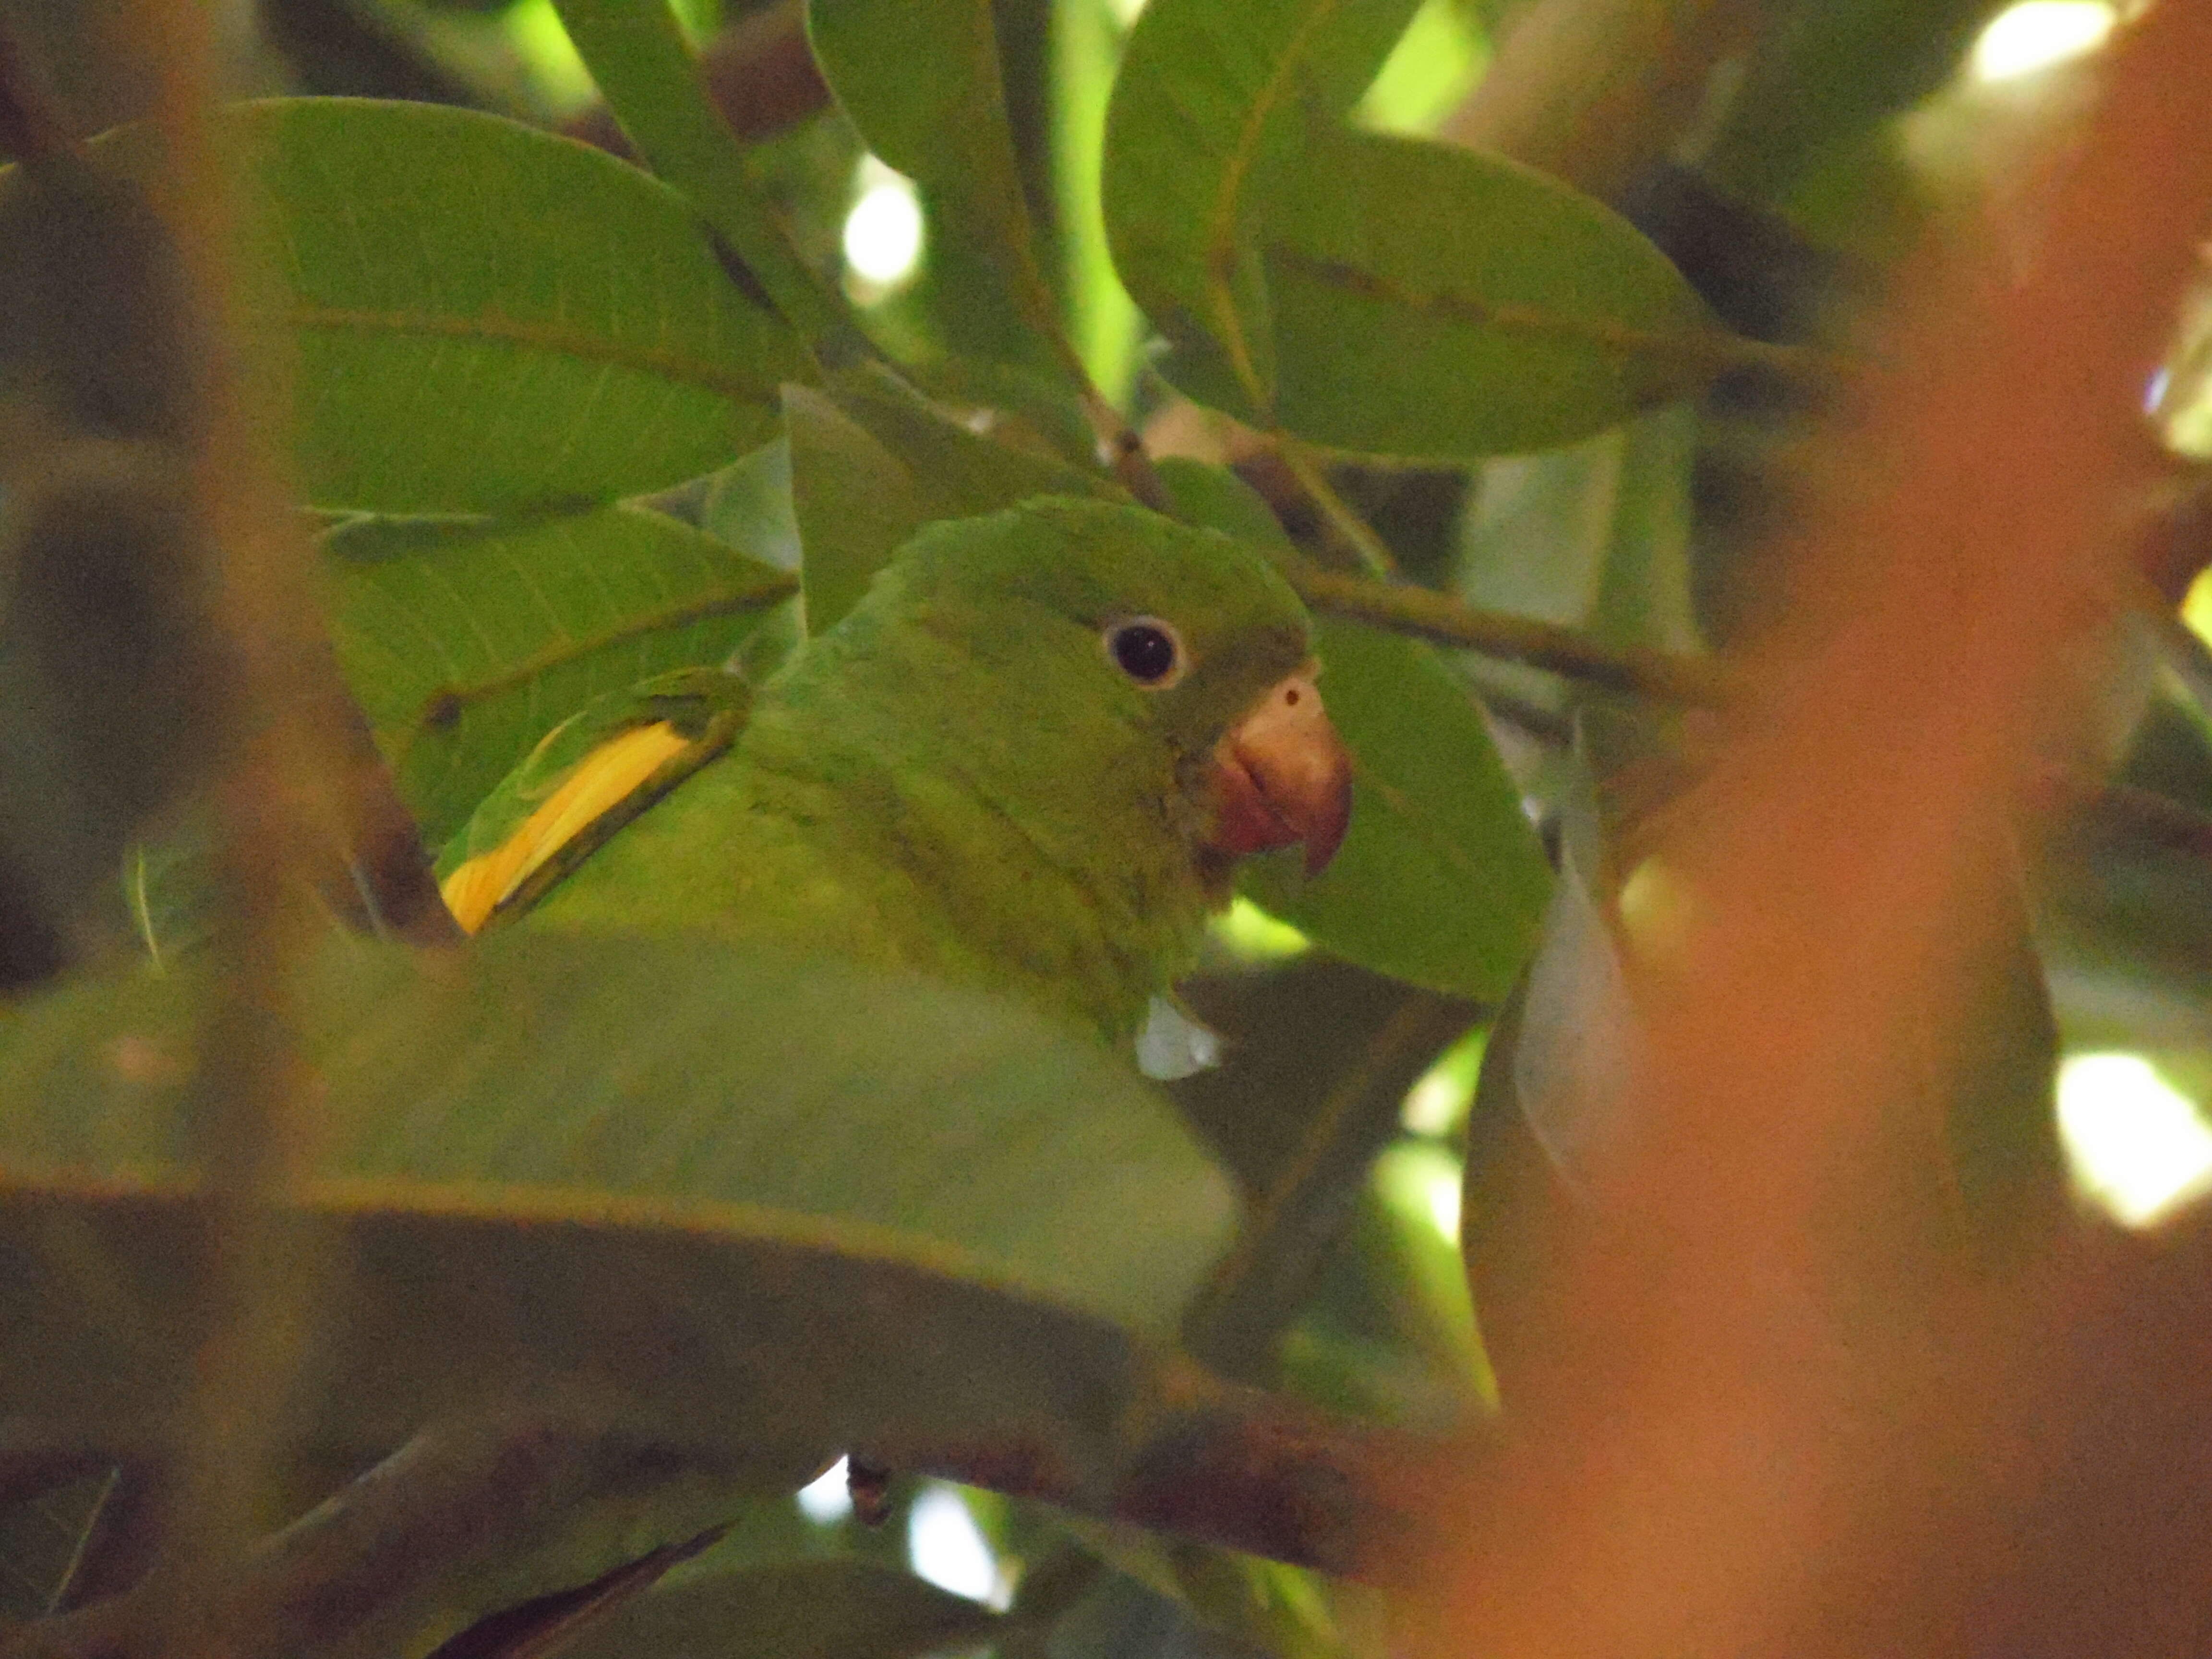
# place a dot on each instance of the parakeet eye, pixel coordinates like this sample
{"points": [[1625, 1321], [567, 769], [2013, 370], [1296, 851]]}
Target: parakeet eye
{"points": [[1147, 650]]}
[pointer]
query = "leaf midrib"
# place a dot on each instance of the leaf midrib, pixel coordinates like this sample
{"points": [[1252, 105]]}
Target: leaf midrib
{"points": [[445, 702], [684, 368], [1218, 253]]}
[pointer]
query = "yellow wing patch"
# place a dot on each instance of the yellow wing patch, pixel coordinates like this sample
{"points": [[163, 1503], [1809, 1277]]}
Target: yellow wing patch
{"points": [[598, 783]]}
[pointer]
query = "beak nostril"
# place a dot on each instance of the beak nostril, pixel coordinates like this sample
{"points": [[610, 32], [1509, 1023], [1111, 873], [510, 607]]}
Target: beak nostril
{"points": [[1282, 775]]}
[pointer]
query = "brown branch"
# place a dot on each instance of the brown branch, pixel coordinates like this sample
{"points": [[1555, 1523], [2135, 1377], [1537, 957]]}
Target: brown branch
{"points": [[277, 790], [1238, 1467], [1439, 618]]}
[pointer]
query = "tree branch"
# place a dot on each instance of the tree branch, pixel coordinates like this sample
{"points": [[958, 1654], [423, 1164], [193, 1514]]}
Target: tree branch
{"points": [[1444, 620]]}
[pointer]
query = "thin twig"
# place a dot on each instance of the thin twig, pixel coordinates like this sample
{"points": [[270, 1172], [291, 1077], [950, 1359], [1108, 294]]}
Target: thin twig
{"points": [[1444, 620], [1358, 536]]}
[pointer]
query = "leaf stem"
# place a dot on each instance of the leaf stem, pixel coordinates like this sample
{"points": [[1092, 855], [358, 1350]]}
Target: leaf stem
{"points": [[1439, 618], [1355, 531]]}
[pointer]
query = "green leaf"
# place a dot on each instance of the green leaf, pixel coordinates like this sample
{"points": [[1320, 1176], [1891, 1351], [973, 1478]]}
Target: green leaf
{"points": [[842, 1609], [466, 644], [743, 1203], [854, 501], [1434, 302], [920, 80], [1210, 101], [488, 318], [871, 462], [747, 505], [1373, 294], [645, 68], [1441, 880], [1103, 321], [1521, 1219], [1261, 1606], [1613, 514]]}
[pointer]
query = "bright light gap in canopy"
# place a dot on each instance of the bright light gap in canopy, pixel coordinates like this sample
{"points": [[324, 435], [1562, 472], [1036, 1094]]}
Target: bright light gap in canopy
{"points": [[2138, 1147], [883, 235], [827, 1499], [2037, 34], [947, 1548]]}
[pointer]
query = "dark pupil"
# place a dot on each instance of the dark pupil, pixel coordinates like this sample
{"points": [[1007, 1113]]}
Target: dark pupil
{"points": [[1144, 652]]}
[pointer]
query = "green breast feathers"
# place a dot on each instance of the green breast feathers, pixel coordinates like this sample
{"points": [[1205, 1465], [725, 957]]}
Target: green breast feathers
{"points": [[1027, 760]]}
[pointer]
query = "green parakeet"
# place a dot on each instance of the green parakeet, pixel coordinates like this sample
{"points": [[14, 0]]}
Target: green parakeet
{"points": [[1026, 760]]}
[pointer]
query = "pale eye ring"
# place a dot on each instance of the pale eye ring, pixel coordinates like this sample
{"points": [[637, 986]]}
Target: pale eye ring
{"points": [[1148, 650]]}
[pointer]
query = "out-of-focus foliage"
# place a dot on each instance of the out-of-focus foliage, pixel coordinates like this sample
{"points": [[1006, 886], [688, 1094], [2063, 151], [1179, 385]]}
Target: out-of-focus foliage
{"points": [[566, 425]]}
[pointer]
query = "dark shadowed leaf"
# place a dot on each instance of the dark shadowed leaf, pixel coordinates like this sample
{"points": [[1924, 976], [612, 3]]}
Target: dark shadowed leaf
{"points": [[1247, 1604], [747, 1204], [841, 1608], [1822, 75], [467, 643]]}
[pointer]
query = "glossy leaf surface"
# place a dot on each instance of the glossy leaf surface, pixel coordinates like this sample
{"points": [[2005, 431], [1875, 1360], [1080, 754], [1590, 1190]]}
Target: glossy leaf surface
{"points": [[1508, 313], [1211, 102]]}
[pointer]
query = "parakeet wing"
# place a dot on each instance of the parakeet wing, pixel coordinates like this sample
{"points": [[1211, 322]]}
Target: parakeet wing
{"points": [[591, 774]]}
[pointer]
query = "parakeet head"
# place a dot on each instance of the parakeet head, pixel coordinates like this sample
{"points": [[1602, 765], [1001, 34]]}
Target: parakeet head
{"points": [[1134, 654]]}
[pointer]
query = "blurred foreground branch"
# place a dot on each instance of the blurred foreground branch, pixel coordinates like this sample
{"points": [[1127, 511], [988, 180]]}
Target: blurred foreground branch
{"points": [[1205, 1459], [1777, 1407]]}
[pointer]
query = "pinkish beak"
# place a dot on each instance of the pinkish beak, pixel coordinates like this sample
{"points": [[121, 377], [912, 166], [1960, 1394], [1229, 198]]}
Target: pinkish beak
{"points": [[1282, 775]]}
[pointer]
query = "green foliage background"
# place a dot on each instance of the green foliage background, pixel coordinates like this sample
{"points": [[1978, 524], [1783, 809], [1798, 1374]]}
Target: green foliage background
{"points": [[565, 423]]}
